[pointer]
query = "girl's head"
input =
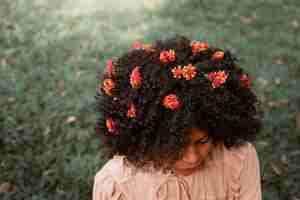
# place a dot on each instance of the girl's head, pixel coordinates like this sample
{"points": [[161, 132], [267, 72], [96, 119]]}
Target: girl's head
{"points": [[156, 100]]}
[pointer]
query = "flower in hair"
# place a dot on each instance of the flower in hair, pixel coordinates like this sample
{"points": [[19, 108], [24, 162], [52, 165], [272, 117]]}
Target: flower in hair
{"points": [[189, 72], [135, 78], [167, 56], [111, 126], [198, 46], [110, 67], [171, 101], [137, 45], [108, 85], [177, 72], [218, 55], [146, 47], [131, 112], [217, 78], [245, 80]]}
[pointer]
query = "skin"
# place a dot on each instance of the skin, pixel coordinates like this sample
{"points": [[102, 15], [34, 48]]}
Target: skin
{"points": [[195, 153]]}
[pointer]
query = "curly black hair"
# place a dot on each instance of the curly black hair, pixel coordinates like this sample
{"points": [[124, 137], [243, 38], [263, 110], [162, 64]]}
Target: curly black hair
{"points": [[230, 113]]}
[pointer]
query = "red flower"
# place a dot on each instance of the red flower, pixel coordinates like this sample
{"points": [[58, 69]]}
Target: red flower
{"points": [[245, 80], [167, 56], [135, 78], [110, 67], [146, 47], [111, 126], [171, 101], [198, 46], [189, 72], [171, 55], [131, 111], [108, 85], [218, 55], [217, 78], [177, 72], [137, 45]]}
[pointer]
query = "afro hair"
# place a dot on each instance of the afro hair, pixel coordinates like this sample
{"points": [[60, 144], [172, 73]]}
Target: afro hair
{"points": [[133, 120]]}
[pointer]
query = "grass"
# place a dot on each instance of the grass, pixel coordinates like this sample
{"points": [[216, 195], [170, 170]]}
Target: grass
{"points": [[50, 54]]}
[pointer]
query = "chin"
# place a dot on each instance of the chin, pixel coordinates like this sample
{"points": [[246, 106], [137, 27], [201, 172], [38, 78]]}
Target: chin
{"points": [[185, 166]]}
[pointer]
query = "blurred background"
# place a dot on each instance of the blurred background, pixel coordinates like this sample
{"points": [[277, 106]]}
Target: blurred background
{"points": [[51, 51]]}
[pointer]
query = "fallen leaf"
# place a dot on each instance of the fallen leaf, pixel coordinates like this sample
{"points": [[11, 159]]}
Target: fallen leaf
{"points": [[276, 169], [278, 103], [277, 81], [279, 60], [262, 82], [284, 159], [61, 87], [78, 74], [247, 19], [262, 143], [262, 98], [295, 23], [71, 119], [7, 187], [11, 99], [3, 61]]}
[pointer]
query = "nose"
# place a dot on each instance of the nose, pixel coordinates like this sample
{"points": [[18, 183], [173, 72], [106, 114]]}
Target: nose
{"points": [[191, 156]]}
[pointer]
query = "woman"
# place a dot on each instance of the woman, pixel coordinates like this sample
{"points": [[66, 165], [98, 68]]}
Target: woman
{"points": [[178, 121]]}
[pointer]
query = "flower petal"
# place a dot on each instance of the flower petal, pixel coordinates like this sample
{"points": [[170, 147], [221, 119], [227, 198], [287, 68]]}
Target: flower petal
{"points": [[171, 101], [135, 78]]}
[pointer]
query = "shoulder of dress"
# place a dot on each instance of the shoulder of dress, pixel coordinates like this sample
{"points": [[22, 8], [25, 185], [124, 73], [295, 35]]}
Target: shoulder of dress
{"points": [[236, 155], [105, 187], [234, 160], [116, 169]]}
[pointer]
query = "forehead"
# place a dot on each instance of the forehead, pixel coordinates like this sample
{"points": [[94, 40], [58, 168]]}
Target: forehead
{"points": [[196, 134]]}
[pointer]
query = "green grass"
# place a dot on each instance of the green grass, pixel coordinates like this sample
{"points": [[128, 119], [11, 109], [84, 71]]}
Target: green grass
{"points": [[50, 56]]}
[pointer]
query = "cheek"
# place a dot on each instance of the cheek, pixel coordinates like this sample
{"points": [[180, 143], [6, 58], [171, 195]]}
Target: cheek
{"points": [[204, 150]]}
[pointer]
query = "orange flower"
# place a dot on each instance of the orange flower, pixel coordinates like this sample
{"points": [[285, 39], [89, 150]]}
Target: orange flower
{"points": [[189, 72], [135, 78], [110, 67], [217, 78], [111, 126], [131, 111], [198, 46], [177, 72], [218, 55], [172, 56], [108, 85], [167, 56], [245, 80], [171, 101]]}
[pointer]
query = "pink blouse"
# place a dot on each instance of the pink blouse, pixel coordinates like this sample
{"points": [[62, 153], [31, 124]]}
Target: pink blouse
{"points": [[225, 175]]}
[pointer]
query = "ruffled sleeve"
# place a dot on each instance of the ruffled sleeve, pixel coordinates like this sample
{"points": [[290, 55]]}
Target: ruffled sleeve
{"points": [[244, 173], [250, 177], [106, 188]]}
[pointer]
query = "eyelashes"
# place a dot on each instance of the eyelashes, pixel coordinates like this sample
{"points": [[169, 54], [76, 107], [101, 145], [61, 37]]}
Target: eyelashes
{"points": [[203, 141]]}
